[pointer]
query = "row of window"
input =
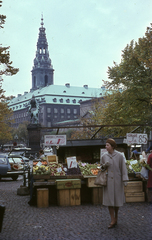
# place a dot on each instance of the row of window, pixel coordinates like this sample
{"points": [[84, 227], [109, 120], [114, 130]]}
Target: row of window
{"points": [[62, 110], [54, 100]]}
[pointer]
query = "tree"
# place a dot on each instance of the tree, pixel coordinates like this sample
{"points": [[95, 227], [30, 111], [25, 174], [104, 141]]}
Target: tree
{"points": [[129, 96], [5, 69], [21, 132], [133, 75]]}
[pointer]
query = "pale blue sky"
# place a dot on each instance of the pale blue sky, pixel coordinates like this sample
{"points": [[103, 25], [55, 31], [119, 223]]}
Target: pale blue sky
{"points": [[84, 37]]}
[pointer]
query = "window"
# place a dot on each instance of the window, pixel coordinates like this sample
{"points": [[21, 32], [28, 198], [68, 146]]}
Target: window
{"points": [[74, 100], [62, 116], [49, 115], [49, 124], [61, 100], [46, 80], [68, 110], [68, 100], [69, 116], [55, 110], [75, 111], [34, 83], [48, 110], [62, 110]]}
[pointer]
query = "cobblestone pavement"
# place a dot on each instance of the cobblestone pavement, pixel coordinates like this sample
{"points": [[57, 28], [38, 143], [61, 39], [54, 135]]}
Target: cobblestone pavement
{"points": [[24, 222]]}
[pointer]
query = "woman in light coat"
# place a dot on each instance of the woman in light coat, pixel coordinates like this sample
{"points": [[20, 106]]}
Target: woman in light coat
{"points": [[113, 193]]}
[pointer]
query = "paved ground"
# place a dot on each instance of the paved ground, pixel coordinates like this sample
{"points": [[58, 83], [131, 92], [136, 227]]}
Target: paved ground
{"points": [[24, 222]]}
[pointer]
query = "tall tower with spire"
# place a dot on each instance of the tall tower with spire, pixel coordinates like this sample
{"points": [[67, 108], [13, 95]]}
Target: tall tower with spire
{"points": [[42, 72]]}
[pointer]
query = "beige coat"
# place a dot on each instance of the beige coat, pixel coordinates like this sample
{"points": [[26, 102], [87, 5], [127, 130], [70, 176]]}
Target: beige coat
{"points": [[113, 193]]}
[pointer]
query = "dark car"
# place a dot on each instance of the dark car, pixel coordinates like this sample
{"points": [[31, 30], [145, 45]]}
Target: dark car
{"points": [[25, 152], [4, 165], [15, 166]]}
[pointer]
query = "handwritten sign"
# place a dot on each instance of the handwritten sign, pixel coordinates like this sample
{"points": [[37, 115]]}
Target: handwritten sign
{"points": [[50, 140], [71, 162], [136, 138]]}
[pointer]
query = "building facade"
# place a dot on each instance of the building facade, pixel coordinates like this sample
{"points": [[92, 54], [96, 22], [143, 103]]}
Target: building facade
{"points": [[57, 103]]}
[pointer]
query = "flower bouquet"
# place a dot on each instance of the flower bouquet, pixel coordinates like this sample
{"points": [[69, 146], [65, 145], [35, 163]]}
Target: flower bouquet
{"points": [[145, 166]]}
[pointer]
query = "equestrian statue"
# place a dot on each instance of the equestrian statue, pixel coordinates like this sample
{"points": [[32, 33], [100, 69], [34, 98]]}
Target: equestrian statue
{"points": [[33, 110]]}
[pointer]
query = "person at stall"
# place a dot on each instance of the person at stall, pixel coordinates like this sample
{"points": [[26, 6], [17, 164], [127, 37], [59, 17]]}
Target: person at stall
{"points": [[41, 154], [135, 154], [149, 182], [113, 193]]}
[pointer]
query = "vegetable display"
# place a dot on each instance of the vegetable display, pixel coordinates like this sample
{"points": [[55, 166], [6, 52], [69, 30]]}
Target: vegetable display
{"points": [[86, 168], [41, 170], [56, 169]]}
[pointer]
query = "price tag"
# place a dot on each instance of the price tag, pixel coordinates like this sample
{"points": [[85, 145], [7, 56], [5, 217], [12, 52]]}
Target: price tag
{"points": [[39, 164], [59, 169]]}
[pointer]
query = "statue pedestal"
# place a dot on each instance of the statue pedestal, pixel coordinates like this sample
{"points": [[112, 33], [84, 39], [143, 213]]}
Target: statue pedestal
{"points": [[34, 136]]}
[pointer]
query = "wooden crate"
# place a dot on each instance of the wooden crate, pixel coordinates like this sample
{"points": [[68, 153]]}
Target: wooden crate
{"points": [[135, 197], [90, 182], [42, 197], [97, 195], [52, 159], [68, 197], [41, 176], [134, 186], [68, 183]]}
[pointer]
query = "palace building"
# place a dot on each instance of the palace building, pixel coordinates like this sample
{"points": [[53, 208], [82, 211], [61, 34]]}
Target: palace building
{"points": [[58, 103]]}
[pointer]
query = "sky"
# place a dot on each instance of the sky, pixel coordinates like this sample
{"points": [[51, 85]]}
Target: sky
{"points": [[84, 37]]}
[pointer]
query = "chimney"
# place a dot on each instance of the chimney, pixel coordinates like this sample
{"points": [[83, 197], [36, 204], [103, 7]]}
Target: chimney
{"points": [[67, 85], [85, 86]]}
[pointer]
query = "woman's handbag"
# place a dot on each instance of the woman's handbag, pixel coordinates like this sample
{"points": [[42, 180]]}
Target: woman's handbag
{"points": [[101, 178]]}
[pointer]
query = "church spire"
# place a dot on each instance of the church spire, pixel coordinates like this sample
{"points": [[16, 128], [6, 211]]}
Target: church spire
{"points": [[42, 72]]}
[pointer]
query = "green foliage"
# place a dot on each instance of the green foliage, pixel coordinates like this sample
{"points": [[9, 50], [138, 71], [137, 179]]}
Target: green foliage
{"points": [[134, 76], [5, 69], [21, 132]]}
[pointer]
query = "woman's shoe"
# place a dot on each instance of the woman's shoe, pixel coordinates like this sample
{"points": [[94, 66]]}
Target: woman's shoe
{"points": [[111, 225]]}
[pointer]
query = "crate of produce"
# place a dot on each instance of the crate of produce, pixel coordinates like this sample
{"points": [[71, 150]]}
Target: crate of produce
{"points": [[135, 197], [41, 172], [88, 169], [56, 170], [68, 183], [134, 186], [52, 159], [40, 162]]}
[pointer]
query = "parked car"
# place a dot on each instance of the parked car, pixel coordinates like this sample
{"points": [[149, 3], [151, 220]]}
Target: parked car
{"points": [[4, 165], [15, 166], [25, 152]]}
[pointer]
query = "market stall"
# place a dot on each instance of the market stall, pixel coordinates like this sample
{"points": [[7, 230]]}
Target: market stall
{"points": [[72, 183]]}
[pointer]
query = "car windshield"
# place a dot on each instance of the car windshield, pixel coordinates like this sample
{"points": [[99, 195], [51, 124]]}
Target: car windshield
{"points": [[17, 152], [15, 160], [3, 160]]}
